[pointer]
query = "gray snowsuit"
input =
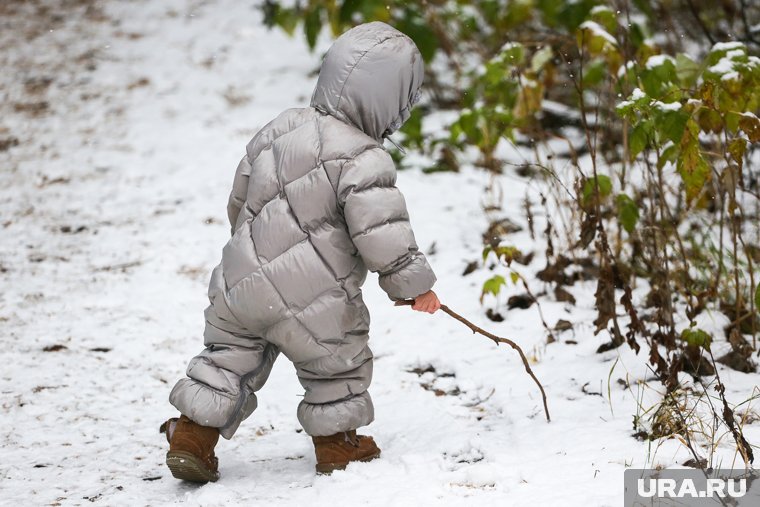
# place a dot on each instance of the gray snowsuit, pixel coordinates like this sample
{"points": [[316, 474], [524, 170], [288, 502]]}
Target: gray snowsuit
{"points": [[313, 206]]}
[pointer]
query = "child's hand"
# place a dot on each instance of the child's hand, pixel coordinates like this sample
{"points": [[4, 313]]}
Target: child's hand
{"points": [[427, 302]]}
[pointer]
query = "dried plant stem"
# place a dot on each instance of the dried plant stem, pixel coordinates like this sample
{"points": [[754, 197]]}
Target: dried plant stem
{"points": [[538, 306], [497, 340], [744, 447]]}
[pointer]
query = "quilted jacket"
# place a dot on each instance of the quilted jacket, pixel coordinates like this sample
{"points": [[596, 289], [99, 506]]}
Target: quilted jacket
{"points": [[314, 206]]}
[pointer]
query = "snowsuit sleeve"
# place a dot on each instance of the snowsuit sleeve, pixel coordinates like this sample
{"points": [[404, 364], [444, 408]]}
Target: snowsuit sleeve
{"points": [[378, 222], [239, 191]]}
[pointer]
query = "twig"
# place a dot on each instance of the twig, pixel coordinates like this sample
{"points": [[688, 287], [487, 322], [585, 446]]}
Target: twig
{"points": [[123, 267], [744, 447], [497, 340], [695, 12]]}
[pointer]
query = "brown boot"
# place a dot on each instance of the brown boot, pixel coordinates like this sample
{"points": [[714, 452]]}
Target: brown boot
{"points": [[191, 450], [337, 451]]}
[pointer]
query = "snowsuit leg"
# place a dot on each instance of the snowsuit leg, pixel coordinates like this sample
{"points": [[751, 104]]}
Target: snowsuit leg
{"points": [[222, 379], [336, 397]]}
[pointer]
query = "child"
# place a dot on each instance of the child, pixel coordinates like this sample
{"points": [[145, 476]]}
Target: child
{"points": [[313, 206]]}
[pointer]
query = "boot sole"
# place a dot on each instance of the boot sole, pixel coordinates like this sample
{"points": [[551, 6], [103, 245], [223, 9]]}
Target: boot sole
{"points": [[186, 467], [328, 468]]}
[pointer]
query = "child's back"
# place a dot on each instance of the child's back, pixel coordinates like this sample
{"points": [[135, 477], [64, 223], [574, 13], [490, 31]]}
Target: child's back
{"points": [[313, 207]]}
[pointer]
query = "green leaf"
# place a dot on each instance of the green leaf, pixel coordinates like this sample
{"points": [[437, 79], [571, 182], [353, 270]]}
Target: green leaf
{"points": [[638, 32], [287, 19], [596, 39], [572, 14], [669, 154], [651, 82], [347, 10], [373, 10], [639, 138], [625, 109], [312, 25], [512, 53], [412, 130], [687, 70], [671, 125], [421, 33], [516, 277], [550, 10], [467, 124], [628, 212], [507, 253], [757, 298], [605, 17], [487, 250], [666, 70], [518, 12], [696, 337], [490, 8], [492, 286], [732, 121], [589, 187], [594, 73]]}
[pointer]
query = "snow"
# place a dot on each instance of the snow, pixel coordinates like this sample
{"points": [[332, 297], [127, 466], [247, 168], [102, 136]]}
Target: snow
{"points": [[630, 64], [599, 9], [730, 76], [724, 66], [113, 215], [655, 61], [559, 109], [510, 45], [727, 46], [736, 53], [637, 94], [667, 106], [598, 30]]}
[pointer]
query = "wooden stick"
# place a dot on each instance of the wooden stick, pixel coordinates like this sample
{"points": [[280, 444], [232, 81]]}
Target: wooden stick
{"points": [[496, 339]]}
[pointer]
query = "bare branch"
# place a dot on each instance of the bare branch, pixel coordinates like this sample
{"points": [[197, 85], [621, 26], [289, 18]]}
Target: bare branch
{"points": [[497, 340]]}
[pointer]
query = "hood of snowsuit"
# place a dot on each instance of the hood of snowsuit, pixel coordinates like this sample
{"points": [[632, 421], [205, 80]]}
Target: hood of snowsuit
{"points": [[370, 78]]}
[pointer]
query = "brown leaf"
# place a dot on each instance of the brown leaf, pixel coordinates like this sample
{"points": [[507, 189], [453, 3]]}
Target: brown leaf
{"points": [[738, 362], [737, 147], [564, 296], [750, 124], [494, 315], [8, 142], [588, 230], [605, 300], [54, 348], [556, 272], [521, 301], [471, 266]]}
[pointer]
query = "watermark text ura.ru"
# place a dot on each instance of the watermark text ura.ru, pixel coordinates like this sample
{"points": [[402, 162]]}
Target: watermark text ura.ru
{"points": [[670, 488], [689, 487]]}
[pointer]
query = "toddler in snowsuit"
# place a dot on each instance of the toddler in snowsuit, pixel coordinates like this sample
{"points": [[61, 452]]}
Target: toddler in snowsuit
{"points": [[313, 207]]}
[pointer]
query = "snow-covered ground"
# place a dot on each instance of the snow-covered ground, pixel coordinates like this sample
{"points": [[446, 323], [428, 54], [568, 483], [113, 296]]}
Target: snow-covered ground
{"points": [[120, 128]]}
